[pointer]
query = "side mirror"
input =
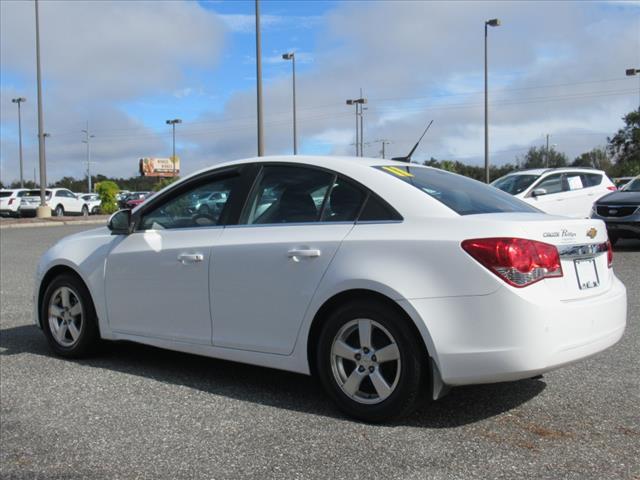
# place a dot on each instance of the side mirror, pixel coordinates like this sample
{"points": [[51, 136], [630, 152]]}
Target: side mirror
{"points": [[538, 192], [120, 222]]}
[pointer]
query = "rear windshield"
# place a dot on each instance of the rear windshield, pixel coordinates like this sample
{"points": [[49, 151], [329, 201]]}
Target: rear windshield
{"points": [[515, 184], [36, 193], [461, 194], [5, 194]]}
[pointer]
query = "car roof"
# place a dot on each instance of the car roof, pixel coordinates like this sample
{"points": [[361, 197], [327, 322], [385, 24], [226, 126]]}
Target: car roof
{"points": [[542, 171]]}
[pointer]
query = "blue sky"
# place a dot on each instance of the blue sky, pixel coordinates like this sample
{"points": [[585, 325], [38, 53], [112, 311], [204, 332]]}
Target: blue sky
{"points": [[555, 67]]}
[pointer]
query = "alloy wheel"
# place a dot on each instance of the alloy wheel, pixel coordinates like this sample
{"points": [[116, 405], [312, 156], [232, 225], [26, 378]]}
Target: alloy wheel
{"points": [[365, 361], [66, 316]]}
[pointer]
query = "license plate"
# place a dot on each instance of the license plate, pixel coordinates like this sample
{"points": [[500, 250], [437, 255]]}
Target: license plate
{"points": [[587, 273]]}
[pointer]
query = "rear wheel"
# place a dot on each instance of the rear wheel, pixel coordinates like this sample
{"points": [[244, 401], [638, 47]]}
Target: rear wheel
{"points": [[59, 211], [68, 317], [370, 361]]}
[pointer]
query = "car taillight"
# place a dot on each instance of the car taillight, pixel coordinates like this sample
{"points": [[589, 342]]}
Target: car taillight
{"points": [[613, 188], [609, 254], [518, 261]]}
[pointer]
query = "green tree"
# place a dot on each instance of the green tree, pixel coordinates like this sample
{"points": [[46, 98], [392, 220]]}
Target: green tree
{"points": [[624, 146], [540, 157], [163, 183], [596, 158], [107, 191]]}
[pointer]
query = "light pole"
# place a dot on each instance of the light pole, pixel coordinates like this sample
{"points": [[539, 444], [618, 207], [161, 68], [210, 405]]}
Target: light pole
{"points": [[358, 102], [19, 100], [173, 123], [259, 82], [43, 210], [632, 72], [292, 56], [87, 140], [494, 22]]}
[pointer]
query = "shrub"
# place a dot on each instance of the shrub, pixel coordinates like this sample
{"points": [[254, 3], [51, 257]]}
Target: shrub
{"points": [[107, 191]]}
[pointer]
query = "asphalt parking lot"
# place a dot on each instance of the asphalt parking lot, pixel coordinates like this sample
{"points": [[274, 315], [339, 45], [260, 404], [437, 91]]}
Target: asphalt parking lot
{"points": [[139, 412]]}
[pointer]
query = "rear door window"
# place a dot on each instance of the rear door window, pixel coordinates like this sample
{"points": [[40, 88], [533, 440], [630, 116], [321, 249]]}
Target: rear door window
{"points": [[461, 194]]}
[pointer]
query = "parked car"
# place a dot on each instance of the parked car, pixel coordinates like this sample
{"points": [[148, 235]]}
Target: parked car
{"points": [[60, 200], [569, 192], [93, 202], [621, 211], [122, 203], [10, 201], [135, 200], [620, 182], [383, 278]]}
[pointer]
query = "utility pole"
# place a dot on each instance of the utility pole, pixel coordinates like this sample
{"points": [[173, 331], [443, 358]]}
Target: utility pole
{"points": [[43, 210], [631, 72], [87, 140], [359, 133], [546, 153], [384, 142], [259, 82], [19, 100], [173, 123], [362, 124], [292, 56], [494, 22]]}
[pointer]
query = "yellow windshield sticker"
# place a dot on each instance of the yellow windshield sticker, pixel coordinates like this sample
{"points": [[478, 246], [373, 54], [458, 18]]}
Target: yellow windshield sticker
{"points": [[398, 171]]}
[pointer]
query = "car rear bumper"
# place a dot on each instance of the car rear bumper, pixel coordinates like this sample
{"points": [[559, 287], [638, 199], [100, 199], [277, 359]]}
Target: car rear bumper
{"points": [[503, 337]]}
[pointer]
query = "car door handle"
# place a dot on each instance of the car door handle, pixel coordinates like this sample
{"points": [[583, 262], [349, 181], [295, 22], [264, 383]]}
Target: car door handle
{"points": [[185, 258], [296, 253]]}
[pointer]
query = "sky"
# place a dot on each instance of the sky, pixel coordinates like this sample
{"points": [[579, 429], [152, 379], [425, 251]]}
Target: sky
{"points": [[124, 68]]}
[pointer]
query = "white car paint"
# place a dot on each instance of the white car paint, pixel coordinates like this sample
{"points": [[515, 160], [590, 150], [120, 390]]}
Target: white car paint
{"points": [[92, 200], [577, 196], [250, 300], [56, 198], [10, 201]]}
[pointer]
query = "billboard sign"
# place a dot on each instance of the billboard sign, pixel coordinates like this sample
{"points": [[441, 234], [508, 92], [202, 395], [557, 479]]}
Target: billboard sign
{"points": [[159, 167]]}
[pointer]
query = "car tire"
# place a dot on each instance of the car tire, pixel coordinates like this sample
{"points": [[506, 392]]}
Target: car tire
{"points": [[361, 384], [68, 317], [85, 211], [59, 211]]}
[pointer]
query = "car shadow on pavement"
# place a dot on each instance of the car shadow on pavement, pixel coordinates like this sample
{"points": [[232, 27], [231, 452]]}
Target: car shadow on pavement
{"points": [[275, 388]]}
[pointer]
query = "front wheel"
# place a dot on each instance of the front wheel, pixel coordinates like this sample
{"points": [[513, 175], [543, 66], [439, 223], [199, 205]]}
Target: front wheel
{"points": [[69, 319], [59, 211], [370, 361], [85, 211]]}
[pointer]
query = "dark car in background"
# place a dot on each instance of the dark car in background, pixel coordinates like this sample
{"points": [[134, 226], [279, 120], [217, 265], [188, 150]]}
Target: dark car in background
{"points": [[620, 211]]}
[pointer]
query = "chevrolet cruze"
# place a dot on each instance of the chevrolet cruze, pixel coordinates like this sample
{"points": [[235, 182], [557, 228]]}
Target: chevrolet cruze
{"points": [[384, 279]]}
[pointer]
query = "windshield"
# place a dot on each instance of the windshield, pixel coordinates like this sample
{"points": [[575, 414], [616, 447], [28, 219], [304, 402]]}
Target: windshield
{"points": [[515, 184], [632, 186], [36, 193], [461, 194]]}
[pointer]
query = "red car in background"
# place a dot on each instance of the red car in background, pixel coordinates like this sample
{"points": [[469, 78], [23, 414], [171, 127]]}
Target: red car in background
{"points": [[134, 200]]}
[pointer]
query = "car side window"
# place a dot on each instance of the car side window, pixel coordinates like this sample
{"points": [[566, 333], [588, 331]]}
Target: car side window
{"points": [[287, 194], [552, 184], [344, 202], [591, 179], [200, 206]]}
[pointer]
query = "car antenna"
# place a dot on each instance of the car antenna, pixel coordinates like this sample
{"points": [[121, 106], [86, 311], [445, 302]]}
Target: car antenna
{"points": [[408, 157]]}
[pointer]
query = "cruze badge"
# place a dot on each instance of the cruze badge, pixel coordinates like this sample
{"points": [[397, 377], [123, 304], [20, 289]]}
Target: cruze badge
{"points": [[592, 232]]}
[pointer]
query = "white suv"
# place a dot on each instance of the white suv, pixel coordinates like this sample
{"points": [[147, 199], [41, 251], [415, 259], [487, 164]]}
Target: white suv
{"points": [[570, 192], [61, 201], [10, 201]]}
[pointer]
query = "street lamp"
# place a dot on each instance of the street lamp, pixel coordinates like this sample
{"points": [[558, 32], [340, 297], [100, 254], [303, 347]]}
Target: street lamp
{"points": [[632, 72], [494, 22], [19, 100], [292, 56], [260, 120], [358, 101], [173, 126], [87, 140]]}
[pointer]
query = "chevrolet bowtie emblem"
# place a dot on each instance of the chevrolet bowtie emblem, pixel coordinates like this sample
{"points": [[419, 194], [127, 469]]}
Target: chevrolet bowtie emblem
{"points": [[592, 232]]}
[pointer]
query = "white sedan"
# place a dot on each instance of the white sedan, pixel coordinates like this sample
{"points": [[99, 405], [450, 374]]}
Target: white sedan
{"points": [[385, 279]]}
